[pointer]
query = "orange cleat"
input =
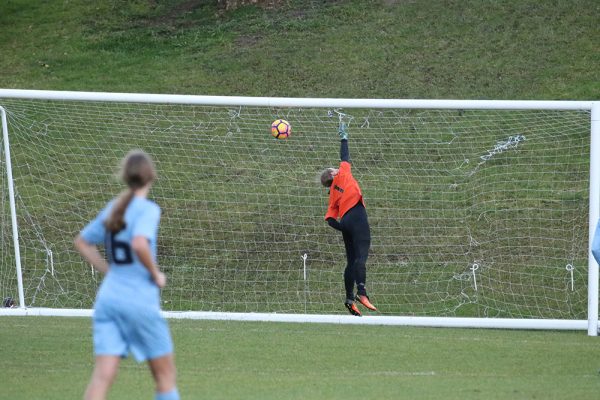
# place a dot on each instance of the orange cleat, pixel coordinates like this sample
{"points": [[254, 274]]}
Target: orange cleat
{"points": [[364, 300], [352, 308]]}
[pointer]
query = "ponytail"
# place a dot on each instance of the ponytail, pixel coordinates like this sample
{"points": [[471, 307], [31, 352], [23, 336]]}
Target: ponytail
{"points": [[137, 171], [115, 221]]}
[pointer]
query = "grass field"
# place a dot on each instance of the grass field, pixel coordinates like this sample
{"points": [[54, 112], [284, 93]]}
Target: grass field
{"points": [[51, 358], [469, 49], [350, 48]]}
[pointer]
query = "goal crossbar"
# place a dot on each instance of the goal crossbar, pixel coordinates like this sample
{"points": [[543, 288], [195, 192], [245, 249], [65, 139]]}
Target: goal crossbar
{"points": [[297, 102]]}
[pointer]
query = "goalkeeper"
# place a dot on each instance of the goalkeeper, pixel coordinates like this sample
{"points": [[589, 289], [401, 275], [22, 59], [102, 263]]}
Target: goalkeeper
{"points": [[347, 213]]}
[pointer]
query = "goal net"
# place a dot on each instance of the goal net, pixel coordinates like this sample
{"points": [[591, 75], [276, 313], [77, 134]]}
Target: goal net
{"points": [[473, 212]]}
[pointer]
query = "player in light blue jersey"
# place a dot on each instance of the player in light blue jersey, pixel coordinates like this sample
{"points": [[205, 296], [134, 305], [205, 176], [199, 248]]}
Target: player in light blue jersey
{"points": [[596, 244], [127, 309]]}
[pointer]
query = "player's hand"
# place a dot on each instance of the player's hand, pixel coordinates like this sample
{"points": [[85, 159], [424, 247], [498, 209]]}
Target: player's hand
{"points": [[160, 279], [342, 131]]}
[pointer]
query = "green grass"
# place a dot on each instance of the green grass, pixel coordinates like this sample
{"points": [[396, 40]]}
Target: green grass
{"points": [[350, 48], [52, 358]]}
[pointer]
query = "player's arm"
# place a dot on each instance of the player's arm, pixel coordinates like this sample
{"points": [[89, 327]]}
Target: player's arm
{"points": [[144, 230], [332, 213], [331, 216], [344, 151], [91, 254], [141, 247], [334, 223], [89, 238]]}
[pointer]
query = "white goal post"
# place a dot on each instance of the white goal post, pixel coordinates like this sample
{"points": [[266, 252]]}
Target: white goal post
{"points": [[481, 211]]}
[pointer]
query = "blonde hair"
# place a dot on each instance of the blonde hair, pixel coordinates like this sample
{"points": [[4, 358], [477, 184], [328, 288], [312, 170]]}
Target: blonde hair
{"points": [[137, 170], [327, 177]]}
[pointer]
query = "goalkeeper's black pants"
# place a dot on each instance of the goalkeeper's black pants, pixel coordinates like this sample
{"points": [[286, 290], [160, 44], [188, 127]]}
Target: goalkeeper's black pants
{"points": [[357, 239]]}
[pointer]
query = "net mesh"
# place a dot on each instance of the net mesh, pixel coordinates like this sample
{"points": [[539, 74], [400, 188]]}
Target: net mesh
{"points": [[472, 212]]}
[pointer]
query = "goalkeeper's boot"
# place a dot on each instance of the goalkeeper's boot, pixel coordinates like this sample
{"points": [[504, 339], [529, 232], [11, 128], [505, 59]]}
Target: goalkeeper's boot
{"points": [[364, 300], [352, 308]]}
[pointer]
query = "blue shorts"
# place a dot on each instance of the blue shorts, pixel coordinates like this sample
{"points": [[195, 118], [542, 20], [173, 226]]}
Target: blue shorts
{"points": [[122, 329]]}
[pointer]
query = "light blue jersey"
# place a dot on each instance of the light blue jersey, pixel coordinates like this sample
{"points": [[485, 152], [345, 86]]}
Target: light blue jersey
{"points": [[596, 244], [127, 308]]}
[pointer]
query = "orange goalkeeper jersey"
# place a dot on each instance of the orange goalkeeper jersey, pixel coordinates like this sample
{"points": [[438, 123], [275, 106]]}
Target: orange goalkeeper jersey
{"points": [[344, 192]]}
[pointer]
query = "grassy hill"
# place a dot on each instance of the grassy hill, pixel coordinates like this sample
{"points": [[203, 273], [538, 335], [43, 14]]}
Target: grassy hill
{"points": [[346, 48]]}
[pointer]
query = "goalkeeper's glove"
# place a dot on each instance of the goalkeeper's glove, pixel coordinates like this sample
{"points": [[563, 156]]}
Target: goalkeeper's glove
{"points": [[342, 131]]}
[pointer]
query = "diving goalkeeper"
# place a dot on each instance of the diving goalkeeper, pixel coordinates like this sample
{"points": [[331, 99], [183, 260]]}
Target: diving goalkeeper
{"points": [[347, 213]]}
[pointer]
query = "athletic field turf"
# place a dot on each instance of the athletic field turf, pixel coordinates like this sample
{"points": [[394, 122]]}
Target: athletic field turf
{"points": [[51, 358]]}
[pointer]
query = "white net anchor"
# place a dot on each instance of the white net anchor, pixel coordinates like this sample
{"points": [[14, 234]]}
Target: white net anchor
{"points": [[304, 257], [474, 268], [570, 269]]}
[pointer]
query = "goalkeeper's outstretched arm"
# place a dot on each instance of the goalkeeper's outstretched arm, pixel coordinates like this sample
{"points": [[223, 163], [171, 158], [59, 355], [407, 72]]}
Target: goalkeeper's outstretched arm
{"points": [[344, 151], [344, 156]]}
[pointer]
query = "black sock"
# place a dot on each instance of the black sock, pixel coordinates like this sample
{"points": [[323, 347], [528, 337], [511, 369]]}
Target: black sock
{"points": [[362, 291], [349, 283]]}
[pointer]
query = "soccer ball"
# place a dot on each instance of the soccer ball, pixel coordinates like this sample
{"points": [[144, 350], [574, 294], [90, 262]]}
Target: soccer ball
{"points": [[281, 129], [8, 302]]}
